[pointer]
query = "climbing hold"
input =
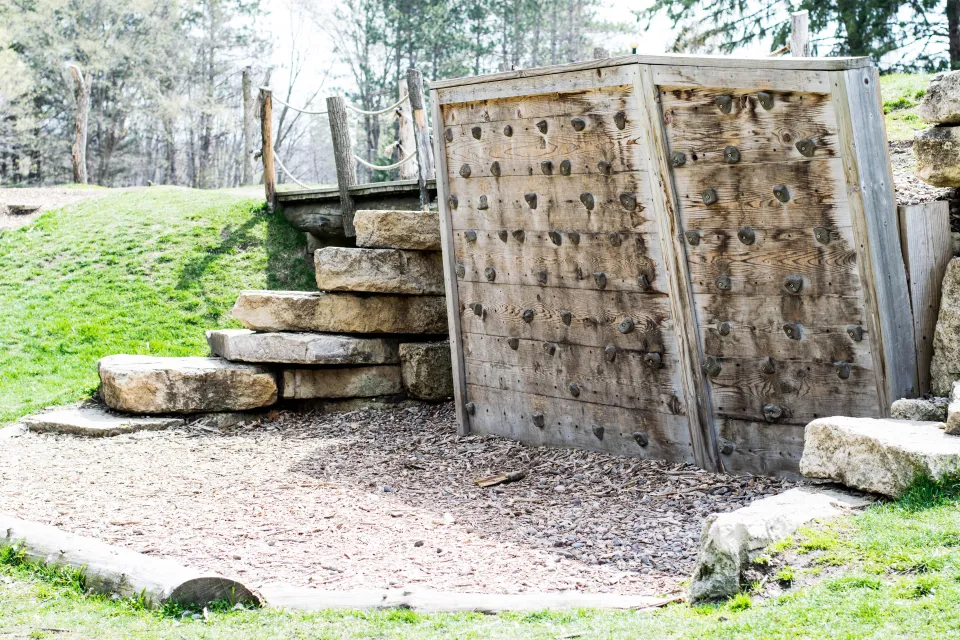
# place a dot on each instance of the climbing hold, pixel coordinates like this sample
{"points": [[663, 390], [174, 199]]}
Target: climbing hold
{"points": [[731, 155], [628, 201], [793, 283], [508, 131], [807, 147], [519, 235], [724, 103], [483, 205], [600, 279], [693, 237], [513, 343], [574, 389], [495, 169], [566, 317], [555, 237], [792, 331], [476, 132], [610, 353], [531, 199], [724, 283], [765, 99], [678, 158], [597, 431], [490, 274], [711, 366], [546, 167], [542, 126], [746, 235], [565, 168], [587, 200], [578, 124], [709, 196], [781, 193], [470, 235], [538, 419], [653, 360], [528, 315], [620, 119], [626, 326], [465, 171], [724, 328], [772, 412], [448, 135]]}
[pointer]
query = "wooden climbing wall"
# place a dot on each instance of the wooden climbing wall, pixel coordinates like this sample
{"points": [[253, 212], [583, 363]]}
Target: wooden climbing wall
{"points": [[677, 258]]}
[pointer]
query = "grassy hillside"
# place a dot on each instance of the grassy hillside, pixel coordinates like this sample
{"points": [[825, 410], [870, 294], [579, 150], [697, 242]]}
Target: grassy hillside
{"points": [[901, 94], [144, 271]]}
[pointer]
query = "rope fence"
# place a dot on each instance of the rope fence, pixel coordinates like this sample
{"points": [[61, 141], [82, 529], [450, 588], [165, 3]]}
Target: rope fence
{"points": [[352, 107], [385, 167]]}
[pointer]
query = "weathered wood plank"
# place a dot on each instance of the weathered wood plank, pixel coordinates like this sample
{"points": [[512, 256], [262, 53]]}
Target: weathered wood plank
{"points": [[869, 183], [594, 316], [570, 423], [761, 448], [555, 83], [522, 152], [620, 203], [627, 261], [760, 76], [760, 311], [697, 127], [450, 278], [805, 391], [746, 198], [666, 211], [590, 104], [821, 344], [927, 249]]}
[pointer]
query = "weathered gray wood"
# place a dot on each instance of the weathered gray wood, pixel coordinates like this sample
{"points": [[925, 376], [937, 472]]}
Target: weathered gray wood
{"points": [[421, 134], [800, 34], [449, 276], [927, 249], [873, 206], [266, 148], [586, 102], [408, 145], [249, 126], [109, 569], [761, 448], [759, 77], [343, 158], [699, 412]]}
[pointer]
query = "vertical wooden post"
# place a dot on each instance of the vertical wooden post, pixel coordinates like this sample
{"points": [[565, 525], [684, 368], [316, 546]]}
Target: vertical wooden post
{"points": [[421, 134], [408, 171], [343, 158], [249, 127], [800, 34], [266, 149]]}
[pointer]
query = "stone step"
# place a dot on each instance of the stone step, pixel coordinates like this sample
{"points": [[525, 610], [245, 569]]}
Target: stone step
{"points": [[96, 422], [352, 382], [148, 384], [379, 271], [427, 370], [880, 456], [341, 312], [383, 229], [243, 345]]}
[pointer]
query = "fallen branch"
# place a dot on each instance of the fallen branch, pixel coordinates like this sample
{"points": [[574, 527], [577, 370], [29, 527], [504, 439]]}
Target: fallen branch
{"points": [[503, 478]]}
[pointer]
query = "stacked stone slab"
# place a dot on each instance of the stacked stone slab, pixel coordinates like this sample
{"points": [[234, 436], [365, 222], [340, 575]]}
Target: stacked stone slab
{"points": [[938, 148]]}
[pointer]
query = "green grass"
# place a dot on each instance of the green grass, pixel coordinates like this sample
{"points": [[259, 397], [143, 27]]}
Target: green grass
{"points": [[901, 94], [901, 578], [144, 271]]}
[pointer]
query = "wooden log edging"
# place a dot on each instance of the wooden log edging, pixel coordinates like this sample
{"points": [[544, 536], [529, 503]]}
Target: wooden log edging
{"points": [[110, 569], [288, 597]]}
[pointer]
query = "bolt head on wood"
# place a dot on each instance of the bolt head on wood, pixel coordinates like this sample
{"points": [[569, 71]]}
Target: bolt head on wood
{"points": [[519, 235], [508, 131], [767, 365], [574, 237], [471, 408], [772, 412], [604, 167], [531, 199], [792, 330], [627, 325], [724, 328], [465, 171], [566, 317], [587, 200], [609, 353], [620, 120], [453, 202], [843, 370], [793, 283], [746, 235], [490, 274], [678, 158], [614, 238], [643, 282], [731, 155], [538, 419], [822, 235], [495, 169], [528, 315], [546, 167], [503, 235], [470, 235], [724, 283], [653, 360], [724, 103], [574, 389], [513, 343], [693, 237], [641, 438], [483, 205], [628, 201], [765, 99], [856, 333], [600, 279], [565, 168], [555, 237], [542, 276], [476, 132], [542, 126], [781, 193], [807, 147], [448, 135], [597, 432], [710, 196], [579, 124], [550, 347], [711, 366]]}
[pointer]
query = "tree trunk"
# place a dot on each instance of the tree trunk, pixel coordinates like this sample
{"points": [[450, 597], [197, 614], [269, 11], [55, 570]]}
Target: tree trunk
{"points": [[81, 86], [953, 30], [249, 127]]}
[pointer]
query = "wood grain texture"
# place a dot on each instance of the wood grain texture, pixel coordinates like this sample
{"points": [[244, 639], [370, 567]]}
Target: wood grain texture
{"points": [[554, 83], [595, 316], [569, 423], [758, 77], [623, 258], [820, 344], [825, 311], [450, 279], [558, 205], [806, 391], [697, 127], [589, 103], [761, 448], [927, 249]]}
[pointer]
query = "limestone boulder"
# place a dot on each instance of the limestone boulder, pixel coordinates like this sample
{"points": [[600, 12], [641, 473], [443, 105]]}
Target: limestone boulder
{"points": [[379, 271], [378, 229], [152, 385], [945, 365], [95, 422], [352, 382], [919, 409], [938, 156], [879, 456], [941, 102], [341, 312], [243, 345], [427, 370], [953, 411], [729, 542]]}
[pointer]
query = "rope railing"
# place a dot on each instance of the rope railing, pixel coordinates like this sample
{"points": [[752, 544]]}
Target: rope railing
{"points": [[290, 106], [385, 167], [289, 175], [353, 108]]}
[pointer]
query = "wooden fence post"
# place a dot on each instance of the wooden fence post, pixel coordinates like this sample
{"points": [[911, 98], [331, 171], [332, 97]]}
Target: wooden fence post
{"points": [[343, 158], [800, 34], [408, 171], [421, 135], [266, 149]]}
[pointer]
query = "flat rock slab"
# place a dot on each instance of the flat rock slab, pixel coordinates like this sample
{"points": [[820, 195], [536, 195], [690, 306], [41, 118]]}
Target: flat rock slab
{"points": [[427, 369], [341, 312], [731, 541], [243, 345], [920, 410], [352, 382], [379, 271], [146, 384], [945, 365], [379, 229], [880, 456], [93, 421]]}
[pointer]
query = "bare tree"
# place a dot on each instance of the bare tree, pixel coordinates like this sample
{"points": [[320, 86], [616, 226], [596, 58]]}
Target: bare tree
{"points": [[81, 92]]}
